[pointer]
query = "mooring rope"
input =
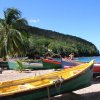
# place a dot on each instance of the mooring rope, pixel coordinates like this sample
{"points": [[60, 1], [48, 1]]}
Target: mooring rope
{"points": [[58, 83], [48, 93]]}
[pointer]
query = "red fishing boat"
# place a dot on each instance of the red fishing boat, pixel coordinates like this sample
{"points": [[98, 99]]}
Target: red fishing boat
{"points": [[96, 68], [51, 64]]}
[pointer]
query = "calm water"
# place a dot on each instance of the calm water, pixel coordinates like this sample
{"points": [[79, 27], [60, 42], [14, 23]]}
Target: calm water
{"points": [[87, 59]]}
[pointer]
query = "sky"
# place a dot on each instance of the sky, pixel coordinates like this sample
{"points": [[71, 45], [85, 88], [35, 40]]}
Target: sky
{"points": [[79, 18]]}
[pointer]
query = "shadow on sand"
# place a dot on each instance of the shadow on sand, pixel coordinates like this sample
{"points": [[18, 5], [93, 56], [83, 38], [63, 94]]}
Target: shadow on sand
{"points": [[74, 96], [66, 96], [95, 95], [91, 96]]}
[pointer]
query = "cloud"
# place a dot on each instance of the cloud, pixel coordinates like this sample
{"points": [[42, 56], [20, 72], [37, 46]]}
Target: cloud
{"points": [[33, 20]]}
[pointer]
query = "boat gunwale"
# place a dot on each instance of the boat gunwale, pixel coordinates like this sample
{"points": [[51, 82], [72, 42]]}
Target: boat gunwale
{"points": [[49, 85]]}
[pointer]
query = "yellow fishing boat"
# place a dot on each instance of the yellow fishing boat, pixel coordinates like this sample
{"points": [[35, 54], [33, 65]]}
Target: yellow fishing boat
{"points": [[39, 87]]}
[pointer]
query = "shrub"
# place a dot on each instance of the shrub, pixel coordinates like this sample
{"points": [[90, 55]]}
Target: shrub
{"points": [[20, 66]]}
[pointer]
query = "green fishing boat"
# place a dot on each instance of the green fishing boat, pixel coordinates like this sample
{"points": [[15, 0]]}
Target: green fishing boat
{"points": [[50, 64], [51, 84]]}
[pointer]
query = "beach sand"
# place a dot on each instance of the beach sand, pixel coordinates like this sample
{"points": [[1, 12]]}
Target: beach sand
{"points": [[89, 93], [8, 75]]}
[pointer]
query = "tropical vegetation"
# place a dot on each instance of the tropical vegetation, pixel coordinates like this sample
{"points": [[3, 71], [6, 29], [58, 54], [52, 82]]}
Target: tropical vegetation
{"points": [[11, 39], [17, 37], [47, 42]]}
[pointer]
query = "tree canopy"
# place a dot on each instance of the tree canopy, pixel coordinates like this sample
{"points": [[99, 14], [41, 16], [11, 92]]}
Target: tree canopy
{"points": [[60, 43], [11, 40]]}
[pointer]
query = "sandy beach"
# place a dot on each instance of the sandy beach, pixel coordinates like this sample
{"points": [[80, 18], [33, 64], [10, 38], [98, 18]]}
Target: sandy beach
{"points": [[8, 75], [89, 93]]}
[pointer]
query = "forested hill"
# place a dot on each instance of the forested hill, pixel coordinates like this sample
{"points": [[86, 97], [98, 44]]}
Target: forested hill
{"points": [[59, 42]]}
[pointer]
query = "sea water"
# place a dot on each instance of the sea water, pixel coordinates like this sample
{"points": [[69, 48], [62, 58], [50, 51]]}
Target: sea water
{"points": [[87, 59]]}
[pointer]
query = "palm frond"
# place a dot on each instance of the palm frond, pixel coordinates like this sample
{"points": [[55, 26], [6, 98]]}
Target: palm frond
{"points": [[11, 14], [21, 21], [16, 39], [11, 38]]}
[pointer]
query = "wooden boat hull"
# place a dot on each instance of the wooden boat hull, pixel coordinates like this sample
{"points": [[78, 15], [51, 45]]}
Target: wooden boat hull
{"points": [[4, 65], [79, 80], [67, 64], [96, 69], [13, 65], [50, 64], [47, 64]]}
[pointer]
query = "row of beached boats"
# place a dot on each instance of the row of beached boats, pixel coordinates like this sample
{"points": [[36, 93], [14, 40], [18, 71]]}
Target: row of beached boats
{"points": [[65, 63], [70, 76], [51, 84], [49, 64]]}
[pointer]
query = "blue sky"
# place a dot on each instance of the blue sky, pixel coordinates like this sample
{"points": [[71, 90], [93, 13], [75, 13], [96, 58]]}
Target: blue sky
{"points": [[79, 18]]}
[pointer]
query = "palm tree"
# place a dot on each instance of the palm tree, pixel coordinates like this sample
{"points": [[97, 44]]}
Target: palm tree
{"points": [[11, 39]]}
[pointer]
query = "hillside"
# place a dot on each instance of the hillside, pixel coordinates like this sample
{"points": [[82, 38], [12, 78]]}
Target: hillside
{"points": [[61, 43]]}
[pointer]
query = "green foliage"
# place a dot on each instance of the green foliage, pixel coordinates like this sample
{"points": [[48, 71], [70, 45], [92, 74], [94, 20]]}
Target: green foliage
{"points": [[56, 56], [11, 39], [41, 40], [60, 43], [20, 67]]}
